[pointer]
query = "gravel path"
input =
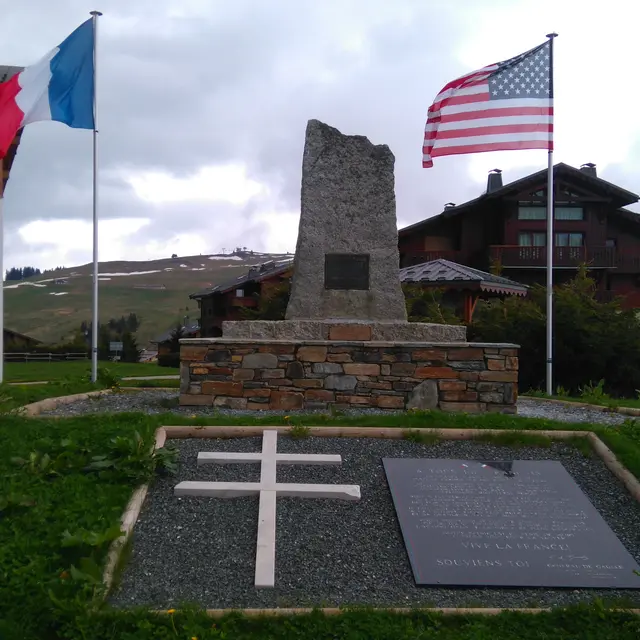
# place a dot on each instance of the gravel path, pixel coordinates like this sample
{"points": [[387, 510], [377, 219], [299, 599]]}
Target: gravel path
{"points": [[538, 408], [328, 553], [155, 401]]}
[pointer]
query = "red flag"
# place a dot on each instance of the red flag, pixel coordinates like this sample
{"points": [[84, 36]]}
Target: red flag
{"points": [[507, 105]]}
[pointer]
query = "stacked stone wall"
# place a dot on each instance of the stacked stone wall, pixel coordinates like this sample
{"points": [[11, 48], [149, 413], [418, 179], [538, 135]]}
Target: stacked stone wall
{"points": [[317, 375]]}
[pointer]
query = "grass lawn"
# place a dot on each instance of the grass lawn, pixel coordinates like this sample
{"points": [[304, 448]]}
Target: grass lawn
{"points": [[155, 384], [14, 396], [59, 505], [39, 371]]}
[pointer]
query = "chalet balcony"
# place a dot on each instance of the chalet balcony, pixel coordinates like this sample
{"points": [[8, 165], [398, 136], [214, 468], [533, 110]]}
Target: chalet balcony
{"points": [[244, 301], [411, 258], [512, 256]]}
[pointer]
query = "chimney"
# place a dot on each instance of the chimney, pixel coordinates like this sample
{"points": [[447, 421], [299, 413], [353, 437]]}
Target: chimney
{"points": [[494, 181], [590, 169]]}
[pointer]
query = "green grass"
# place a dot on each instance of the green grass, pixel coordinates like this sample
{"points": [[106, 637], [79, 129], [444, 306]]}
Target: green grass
{"points": [[31, 310], [17, 395], [59, 504], [153, 384], [51, 371]]}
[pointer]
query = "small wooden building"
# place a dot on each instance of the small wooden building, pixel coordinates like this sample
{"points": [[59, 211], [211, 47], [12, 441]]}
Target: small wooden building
{"points": [[190, 329], [13, 340], [463, 286]]}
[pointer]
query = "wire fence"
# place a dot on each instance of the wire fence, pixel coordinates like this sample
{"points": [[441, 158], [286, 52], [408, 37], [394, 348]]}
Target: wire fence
{"points": [[44, 357]]}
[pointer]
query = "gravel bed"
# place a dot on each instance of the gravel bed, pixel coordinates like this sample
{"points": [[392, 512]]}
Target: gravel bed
{"points": [[328, 552], [538, 408], [154, 401]]}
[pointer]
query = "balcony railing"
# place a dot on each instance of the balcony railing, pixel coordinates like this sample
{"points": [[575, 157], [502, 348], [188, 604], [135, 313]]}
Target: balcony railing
{"points": [[567, 257], [411, 258], [244, 301]]}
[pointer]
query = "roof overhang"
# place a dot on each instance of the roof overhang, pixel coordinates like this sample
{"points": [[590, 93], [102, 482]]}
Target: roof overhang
{"points": [[470, 285], [619, 196], [241, 280]]}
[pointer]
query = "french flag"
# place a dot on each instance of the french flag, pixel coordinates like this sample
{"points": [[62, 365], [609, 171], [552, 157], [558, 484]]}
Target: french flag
{"points": [[59, 87]]}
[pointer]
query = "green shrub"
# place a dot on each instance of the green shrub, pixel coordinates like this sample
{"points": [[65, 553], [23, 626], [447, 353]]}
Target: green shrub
{"points": [[428, 305], [272, 305], [592, 340]]}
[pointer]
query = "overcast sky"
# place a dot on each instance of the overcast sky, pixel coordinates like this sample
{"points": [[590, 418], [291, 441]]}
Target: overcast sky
{"points": [[203, 106]]}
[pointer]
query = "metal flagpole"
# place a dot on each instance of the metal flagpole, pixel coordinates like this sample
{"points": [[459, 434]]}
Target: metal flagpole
{"points": [[1, 272], [94, 320], [550, 240]]}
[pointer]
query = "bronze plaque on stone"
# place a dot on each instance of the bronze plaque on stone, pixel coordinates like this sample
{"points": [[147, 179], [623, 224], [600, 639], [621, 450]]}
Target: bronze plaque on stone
{"points": [[512, 523], [346, 271]]}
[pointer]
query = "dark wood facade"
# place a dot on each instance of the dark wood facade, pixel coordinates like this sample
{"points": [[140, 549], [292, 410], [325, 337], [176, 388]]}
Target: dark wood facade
{"points": [[14, 340], [505, 229], [226, 302]]}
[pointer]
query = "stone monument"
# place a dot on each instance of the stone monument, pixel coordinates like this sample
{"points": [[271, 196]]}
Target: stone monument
{"points": [[346, 340], [346, 267], [346, 264]]}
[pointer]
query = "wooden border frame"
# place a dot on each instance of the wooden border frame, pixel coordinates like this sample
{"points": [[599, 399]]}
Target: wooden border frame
{"points": [[162, 434]]}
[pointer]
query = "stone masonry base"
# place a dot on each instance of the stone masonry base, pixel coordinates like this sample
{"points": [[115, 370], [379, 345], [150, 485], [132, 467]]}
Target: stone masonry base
{"points": [[289, 376]]}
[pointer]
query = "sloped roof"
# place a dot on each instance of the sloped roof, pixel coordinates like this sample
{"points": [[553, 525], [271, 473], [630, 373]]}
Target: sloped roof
{"points": [[446, 272], [621, 196], [189, 329], [254, 274], [17, 334]]}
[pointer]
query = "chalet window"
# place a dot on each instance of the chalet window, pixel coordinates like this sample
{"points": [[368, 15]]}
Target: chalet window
{"points": [[569, 239], [610, 243], [532, 239], [568, 213], [559, 213], [532, 213]]}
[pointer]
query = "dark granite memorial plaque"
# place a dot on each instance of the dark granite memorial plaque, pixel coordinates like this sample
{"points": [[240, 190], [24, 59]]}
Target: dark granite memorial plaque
{"points": [[514, 523], [346, 271]]}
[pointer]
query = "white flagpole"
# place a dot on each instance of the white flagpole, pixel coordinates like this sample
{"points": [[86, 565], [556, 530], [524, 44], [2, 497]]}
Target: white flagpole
{"points": [[94, 320], [1, 272], [550, 242]]}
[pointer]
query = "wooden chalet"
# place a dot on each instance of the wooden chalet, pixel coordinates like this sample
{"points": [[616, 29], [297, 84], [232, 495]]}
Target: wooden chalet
{"points": [[226, 301], [504, 230], [164, 343]]}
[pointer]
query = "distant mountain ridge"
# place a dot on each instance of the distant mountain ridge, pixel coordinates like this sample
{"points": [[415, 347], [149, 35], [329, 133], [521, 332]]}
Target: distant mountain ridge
{"points": [[52, 305]]}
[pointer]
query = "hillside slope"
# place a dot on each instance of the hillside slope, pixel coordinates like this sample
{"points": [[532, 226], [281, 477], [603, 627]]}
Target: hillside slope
{"points": [[157, 291]]}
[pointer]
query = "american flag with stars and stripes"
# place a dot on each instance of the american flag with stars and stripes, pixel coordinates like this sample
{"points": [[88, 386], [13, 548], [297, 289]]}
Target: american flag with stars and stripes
{"points": [[507, 105]]}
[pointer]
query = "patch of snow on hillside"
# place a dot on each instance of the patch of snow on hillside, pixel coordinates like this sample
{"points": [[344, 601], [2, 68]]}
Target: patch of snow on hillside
{"points": [[183, 265], [168, 269], [203, 265], [47, 280], [197, 268], [131, 273], [225, 258], [103, 279], [58, 293], [24, 284]]}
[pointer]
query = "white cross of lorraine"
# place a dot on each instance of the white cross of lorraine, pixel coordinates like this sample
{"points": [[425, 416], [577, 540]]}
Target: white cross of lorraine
{"points": [[268, 489]]}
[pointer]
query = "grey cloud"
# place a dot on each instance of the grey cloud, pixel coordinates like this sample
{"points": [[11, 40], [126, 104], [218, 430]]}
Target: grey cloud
{"points": [[236, 84]]}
